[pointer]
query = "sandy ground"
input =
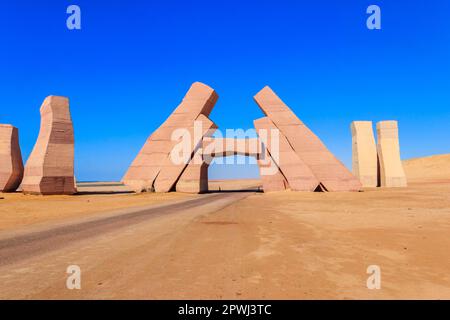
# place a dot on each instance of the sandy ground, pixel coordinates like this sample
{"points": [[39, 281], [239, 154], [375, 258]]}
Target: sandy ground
{"points": [[432, 169], [230, 185], [18, 210], [265, 246]]}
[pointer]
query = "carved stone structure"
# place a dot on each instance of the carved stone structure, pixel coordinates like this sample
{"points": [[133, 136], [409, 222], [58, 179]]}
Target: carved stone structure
{"points": [[194, 179], [152, 169], [294, 158], [391, 168], [50, 167], [327, 169], [11, 165], [364, 153], [298, 175]]}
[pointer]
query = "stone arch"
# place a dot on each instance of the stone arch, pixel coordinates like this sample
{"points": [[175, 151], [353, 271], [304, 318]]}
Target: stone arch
{"points": [[291, 158]]}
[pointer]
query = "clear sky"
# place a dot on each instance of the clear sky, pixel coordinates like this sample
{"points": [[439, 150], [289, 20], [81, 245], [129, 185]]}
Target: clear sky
{"points": [[132, 62]]}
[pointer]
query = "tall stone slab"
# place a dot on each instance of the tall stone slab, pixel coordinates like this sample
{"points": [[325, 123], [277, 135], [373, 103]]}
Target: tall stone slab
{"points": [[330, 172], [11, 165], [200, 99], [271, 177], [194, 178], [50, 167], [364, 153], [391, 170], [298, 175], [182, 153]]}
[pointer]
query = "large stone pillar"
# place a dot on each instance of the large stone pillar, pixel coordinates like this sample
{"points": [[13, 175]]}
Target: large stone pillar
{"points": [[271, 177], [154, 155], [11, 165], [194, 178], [175, 163], [298, 175], [364, 153], [50, 167], [331, 173], [391, 167]]}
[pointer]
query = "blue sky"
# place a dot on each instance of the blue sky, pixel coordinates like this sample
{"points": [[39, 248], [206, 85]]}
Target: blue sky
{"points": [[133, 61]]}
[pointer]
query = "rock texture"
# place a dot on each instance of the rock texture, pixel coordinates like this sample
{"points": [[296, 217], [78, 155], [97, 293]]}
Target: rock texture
{"points": [[298, 175], [272, 178], [224, 147], [364, 153], [152, 169], [294, 159], [173, 165], [391, 168], [50, 167], [11, 165], [194, 179], [274, 182], [329, 171]]}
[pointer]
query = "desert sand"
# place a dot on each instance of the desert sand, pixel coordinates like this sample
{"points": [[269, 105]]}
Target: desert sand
{"points": [[282, 245], [18, 210], [428, 169]]}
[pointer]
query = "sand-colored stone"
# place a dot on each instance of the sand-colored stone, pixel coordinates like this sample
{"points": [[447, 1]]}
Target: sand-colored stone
{"points": [[271, 177], [364, 153], [298, 175], [172, 167], [11, 165], [146, 167], [225, 147], [273, 182], [50, 167], [330, 172], [194, 178], [392, 173]]}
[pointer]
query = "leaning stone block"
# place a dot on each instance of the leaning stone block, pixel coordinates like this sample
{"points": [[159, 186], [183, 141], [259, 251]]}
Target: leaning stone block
{"points": [[11, 165], [364, 153], [194, 178], [298, 175], [330, 172], [272, 178], [142, 174], [391, 168], [50, 167], [174, 164]]}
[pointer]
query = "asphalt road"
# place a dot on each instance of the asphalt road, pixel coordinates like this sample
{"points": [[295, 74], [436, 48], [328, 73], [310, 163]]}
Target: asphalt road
{"points": [[35, 243]]}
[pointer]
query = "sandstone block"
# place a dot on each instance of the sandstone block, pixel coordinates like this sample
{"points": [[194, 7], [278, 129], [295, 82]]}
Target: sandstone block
{"points": [[194, 179], [391, 170], [298, 175], [11, 165], [174, 164], [330, 172], [272, 178], [50, 167], [364, 153], [224, 147], [142, 174]]}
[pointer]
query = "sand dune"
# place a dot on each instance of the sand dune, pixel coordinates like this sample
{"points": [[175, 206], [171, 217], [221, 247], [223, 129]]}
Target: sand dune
{"points": [[432, 168]]}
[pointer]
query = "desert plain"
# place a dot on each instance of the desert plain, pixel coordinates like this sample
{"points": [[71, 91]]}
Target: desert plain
{"points": [[234, 244]]}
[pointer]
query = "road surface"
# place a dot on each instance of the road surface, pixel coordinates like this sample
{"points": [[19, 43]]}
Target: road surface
{"points": [[43, 249]]}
